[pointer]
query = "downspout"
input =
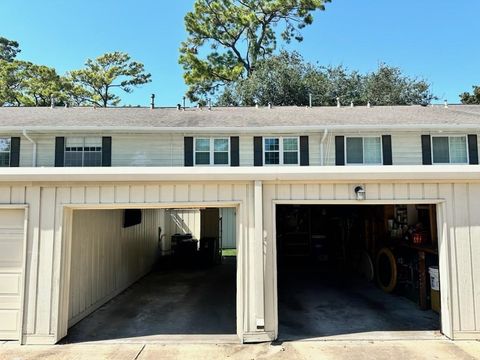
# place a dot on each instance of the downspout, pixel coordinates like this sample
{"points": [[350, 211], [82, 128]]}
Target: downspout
{"points": [[322, 161], [34, 152]]}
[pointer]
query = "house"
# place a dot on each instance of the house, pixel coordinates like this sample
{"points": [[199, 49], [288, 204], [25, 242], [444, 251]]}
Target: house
{"points": [[322, 204]]}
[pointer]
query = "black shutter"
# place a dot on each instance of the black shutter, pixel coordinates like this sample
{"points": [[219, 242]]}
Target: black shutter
{"points": [[107, 151], [59, 151], [257, 151], [473, 149], [304, 155], [188, 150], [426, 150], [387, 150], [15, 152], [339, 150], [234, 151]]}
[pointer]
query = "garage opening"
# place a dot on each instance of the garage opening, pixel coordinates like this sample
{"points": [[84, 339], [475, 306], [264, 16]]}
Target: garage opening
{"points": [[350, 270], [148, 273]]}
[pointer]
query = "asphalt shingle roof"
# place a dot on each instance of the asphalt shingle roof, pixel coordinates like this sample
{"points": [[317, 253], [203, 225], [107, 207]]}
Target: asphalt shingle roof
{"points": [[238, 117]]}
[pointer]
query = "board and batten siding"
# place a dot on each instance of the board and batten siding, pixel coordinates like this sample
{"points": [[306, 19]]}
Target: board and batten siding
{"points": [[462, 225], [107, 258], [228, 216], [47, 295], [180, 221]]}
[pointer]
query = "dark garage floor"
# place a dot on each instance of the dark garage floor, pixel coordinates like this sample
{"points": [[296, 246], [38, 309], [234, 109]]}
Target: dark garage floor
{"points": [[311, 306], [166, 302]]}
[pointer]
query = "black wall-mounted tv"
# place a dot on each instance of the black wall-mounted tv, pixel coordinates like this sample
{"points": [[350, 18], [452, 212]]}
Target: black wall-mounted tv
{"points": [[132, 217]]}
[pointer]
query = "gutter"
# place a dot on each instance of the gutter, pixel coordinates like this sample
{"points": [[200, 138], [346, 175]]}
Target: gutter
{"points": [[34, 151], [245, 129], [322, 161]]}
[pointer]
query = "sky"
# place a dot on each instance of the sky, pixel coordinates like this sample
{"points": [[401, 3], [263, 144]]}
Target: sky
{"points": [[433, 39]]}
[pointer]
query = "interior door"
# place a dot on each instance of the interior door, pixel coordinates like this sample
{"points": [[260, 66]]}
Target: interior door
{"points": [[12, 254]]}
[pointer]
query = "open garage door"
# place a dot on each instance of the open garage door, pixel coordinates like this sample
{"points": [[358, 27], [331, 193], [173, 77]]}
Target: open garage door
{"points": [[350, 271], [12, 260], [150, 274]]}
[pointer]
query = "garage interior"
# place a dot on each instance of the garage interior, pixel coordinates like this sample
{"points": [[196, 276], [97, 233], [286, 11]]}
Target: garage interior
{"points": [[349, 270], [147, 273]]}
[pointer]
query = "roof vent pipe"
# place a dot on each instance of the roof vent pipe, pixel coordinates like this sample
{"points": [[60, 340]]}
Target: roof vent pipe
{"points": [[52, 102], [209, 104], [310, 100], [351, 104], [269, 105], [338, 102], [152, 101], [179, 107], [446, 104], [369, 105]]}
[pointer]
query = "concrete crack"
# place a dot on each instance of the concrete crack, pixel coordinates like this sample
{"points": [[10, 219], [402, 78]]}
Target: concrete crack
{"points": [[136, 356]]}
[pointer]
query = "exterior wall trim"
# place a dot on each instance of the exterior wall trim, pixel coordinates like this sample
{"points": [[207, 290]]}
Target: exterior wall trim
{"points": [[350, 174]]}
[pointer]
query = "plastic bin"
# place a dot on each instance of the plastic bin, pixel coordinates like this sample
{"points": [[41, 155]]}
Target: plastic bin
{"points": [[434, 288]]}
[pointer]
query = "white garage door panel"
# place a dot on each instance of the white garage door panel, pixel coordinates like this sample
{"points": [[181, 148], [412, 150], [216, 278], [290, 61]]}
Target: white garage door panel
{"points": [[12, 230], [8, 322], [10, 284], [12, 253]]}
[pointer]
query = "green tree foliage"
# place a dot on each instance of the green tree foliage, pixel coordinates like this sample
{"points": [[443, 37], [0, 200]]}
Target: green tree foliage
{"points": [[234, 35], [23, 83], [95, 83], [8, 49], [471, 98], [286, 79]]}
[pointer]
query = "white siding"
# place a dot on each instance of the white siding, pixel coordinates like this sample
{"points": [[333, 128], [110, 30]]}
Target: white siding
{"points": [[246, 150], [314, 149], [107, 258], [229, 228], [45, 150], [167, 149], [180, 221], [147, 150], [407, 148]]}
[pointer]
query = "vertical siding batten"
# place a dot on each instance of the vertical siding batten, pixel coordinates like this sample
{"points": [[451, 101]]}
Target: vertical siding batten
{"points": [[462, 246]]}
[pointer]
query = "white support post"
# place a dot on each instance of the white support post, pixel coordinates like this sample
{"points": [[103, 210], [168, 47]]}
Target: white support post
{"points": [[259, 258]]}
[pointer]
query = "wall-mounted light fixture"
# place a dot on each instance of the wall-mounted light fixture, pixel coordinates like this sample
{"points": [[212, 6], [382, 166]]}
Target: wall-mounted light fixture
{"points": [[359, 193]]}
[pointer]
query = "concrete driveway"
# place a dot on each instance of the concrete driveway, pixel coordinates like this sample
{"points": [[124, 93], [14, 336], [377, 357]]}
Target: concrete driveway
{"points": [[314, 350]]}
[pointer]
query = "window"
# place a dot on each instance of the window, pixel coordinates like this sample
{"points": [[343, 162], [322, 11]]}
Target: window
{"points": [[212, 151], [83, 152], [449, 150], [364, 150], [281, 151], [4, 152]]}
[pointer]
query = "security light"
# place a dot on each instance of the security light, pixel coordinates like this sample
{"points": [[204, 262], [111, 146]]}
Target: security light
{"points": [[359, 193]]}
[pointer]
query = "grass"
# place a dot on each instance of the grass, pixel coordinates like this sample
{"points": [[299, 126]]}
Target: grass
{"points": [[229, 252]]}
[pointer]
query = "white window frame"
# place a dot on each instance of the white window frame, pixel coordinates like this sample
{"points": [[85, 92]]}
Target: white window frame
{"points": [[363, 150], [211, 151], [83, 150], [281, 149], [448, 136], [8, 152]]}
